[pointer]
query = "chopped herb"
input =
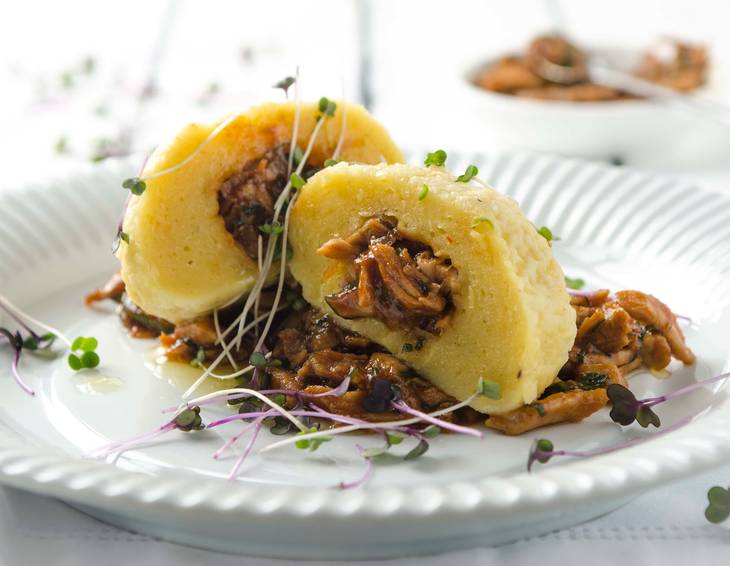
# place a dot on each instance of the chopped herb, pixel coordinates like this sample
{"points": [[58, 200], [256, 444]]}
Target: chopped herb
{"points": [[574, 283], [437, 158], [330, 162], [538, 407], [592, 380], [423, 193], [124, 237], [471, 172], [296, 181], [489, 388], [327, 107], [481, 220], [135, 185]]}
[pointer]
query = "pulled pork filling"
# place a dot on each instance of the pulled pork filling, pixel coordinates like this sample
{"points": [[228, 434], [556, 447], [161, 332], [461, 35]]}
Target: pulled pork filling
{"points": [[615, 335], [246, 199], [399, 281], [314, 356]]}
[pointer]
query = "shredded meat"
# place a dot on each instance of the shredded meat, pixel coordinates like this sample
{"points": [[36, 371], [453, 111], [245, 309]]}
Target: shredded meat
{"points": [[677, 65], [394, 279], [246, 199], [112, 290], [320, 355]]}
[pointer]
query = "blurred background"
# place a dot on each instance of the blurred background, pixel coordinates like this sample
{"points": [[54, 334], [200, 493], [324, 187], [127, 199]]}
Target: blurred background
{"points": [[84, 80]]}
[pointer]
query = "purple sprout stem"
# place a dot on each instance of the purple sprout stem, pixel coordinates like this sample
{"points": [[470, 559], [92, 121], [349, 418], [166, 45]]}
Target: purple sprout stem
{"points": [[231, 441], [247, 450], [606, 449], [651, 401], [124, 445], [16, 374], [301, 413], [362, 480], [403, 408]]}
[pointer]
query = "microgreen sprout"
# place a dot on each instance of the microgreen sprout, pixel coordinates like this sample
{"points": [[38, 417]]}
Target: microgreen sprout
{"points": [[135, 185], [310, 444], [574, 283], [546, 233], [542, 450], [330, 162], [437, 158], [274, 227], [627, 408], [471, 172], [285, 84], [479, 220], [327, 107], [296, 181], [83, 354], [718, 504], [297, 155], [423, 192]]}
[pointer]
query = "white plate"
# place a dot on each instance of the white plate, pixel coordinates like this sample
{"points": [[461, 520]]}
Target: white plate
{"points": [[619, 229]]}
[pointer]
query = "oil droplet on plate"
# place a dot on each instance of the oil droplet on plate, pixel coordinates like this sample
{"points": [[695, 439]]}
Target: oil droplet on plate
{"points": [[181, 376], [94, 383]]}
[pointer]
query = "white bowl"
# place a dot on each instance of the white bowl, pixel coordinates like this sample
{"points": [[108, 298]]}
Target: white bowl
{"points": [[644, 132]]}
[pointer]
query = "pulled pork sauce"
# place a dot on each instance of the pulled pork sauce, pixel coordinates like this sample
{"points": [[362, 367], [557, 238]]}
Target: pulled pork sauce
{"points": [[316, 355], [394, 279], [615, 335], [676, 65]]}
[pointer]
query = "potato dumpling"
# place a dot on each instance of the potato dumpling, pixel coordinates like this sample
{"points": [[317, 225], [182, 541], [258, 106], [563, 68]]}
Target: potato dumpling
{"points": [[452, 278], [193, 233]]}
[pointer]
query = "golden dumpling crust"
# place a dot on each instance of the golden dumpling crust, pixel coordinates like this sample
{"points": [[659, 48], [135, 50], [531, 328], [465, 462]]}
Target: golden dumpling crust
{"points": [[512, 321], [181, 262]]}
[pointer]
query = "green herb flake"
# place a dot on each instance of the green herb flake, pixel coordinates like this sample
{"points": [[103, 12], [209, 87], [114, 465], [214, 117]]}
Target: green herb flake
{"points": [[420, 449], [431, 431], [538, 407], [490, 389], [296, 181], [437, 158], [272, 228], [718, 508], [546, 233], [407, 347], [330, 162], [297, 155], [392, 439], [423, 193], [61, 145], [471, 172], [124, 237]]}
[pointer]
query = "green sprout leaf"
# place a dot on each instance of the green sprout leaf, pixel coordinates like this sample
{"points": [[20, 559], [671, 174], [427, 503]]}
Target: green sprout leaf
{"points": [[546, 233], [189, 420], [134, 184], [420, 449], [297, 155], [471, 172], [74, 362], [625, 405], [273, 228], [330, 162], [437, 158], [327, 107], [257, 360], [574, 283], [431, 431], [90, 360], [124, 237], [310, 444], [489, 388], [645, 417], [392, 439], [423, 193], [285, 84], [296, 181], [718, 508]]}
